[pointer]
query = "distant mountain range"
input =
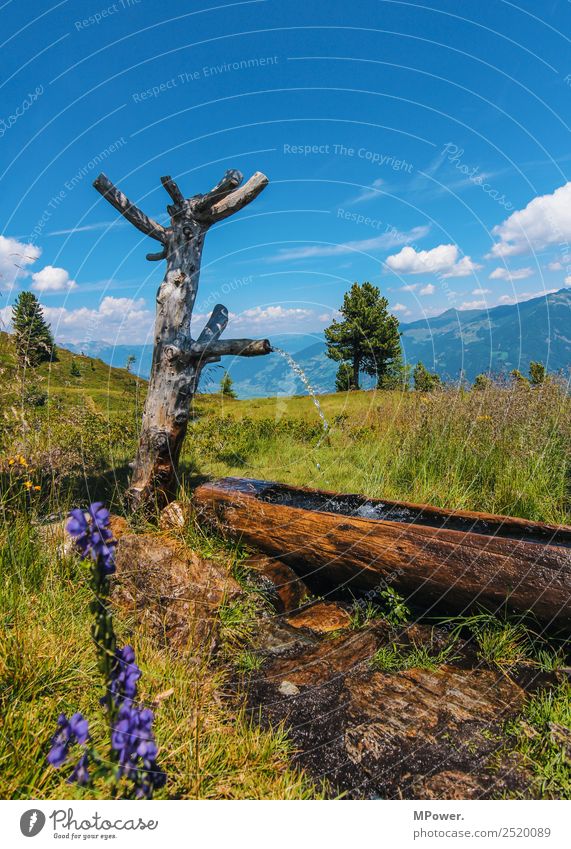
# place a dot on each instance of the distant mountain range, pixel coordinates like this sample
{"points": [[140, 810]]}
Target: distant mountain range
{"points": [[457, 341]]}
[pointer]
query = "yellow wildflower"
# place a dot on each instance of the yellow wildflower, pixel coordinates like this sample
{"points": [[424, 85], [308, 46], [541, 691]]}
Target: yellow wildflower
{"points": [[37, 488], [11, 461], [28, 484]]}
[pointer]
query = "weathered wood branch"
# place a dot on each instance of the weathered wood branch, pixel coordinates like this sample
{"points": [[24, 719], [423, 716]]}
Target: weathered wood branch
{"points": [[234, 201], [237, 347], [215, 326], [173, 190], [229, 182], [128, 210]]}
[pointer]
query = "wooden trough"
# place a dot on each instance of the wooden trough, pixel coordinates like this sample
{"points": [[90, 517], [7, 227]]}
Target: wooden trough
{"points": [[440, 559]]}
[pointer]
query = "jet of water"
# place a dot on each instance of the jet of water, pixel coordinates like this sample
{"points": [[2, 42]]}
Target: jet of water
{"points": [[305, 380]]}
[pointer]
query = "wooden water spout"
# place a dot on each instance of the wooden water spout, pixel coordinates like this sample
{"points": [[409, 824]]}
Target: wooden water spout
{"points": [[437, 558]]}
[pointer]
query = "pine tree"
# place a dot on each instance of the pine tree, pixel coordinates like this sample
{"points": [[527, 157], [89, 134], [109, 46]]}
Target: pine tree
{"points": [[537, 373], [367, 338], [397, 376], [519, 379], [482, 382], [34, 341], [344, 378], [131, 360], [74, 370], [424, 380], [226, 385]]}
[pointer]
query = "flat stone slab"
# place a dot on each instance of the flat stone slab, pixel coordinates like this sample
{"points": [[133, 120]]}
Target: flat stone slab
{"points": [[415, 733]]}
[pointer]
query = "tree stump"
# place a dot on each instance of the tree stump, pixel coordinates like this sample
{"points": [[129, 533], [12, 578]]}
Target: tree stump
{"points": [[177, 358]]}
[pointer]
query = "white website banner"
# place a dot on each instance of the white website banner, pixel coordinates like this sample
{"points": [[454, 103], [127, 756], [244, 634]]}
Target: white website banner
{"points": [[333, 825]]}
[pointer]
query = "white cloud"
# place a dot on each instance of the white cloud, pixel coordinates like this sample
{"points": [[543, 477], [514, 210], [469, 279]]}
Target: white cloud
{"points": [[411, 287], [443, 260], [503, 273], [370, 193], [260, 321], [115, 320], [555, 266], [481, 291], [429, 289], [525, 296], [472, 305], [568, 280], [52, 279], [386, 241], [545, 221], [15, 257], [401, 308]]}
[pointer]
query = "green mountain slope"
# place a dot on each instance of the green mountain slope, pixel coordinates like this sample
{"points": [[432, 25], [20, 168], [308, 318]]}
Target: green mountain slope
{"points": [[99, 386], [496, 340]]}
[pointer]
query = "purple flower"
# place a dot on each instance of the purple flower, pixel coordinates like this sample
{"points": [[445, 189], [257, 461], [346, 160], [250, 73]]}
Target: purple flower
{"points": [[80, 774], [125, 675], [93, 536], [68, 732], [132, 738]]}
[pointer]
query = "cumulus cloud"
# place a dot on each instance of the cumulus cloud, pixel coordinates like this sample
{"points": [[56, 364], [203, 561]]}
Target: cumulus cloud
{"points": [[401, 308], [114, 320], [503, 273], [545, 221], [481, 291], [15, 257], [555, 266], [52, 279], [429, 289], [525, 296], [261, 320], [386, 241], [472, 305], [411, 287], [443, 260]]}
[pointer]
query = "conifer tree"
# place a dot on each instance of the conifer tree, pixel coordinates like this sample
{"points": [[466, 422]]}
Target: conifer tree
{"points": [[367, 338], [226, 385], [34, 341]]}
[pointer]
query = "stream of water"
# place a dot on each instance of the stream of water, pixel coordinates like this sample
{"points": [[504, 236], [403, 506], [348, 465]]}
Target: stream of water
{"points": [[295, 367]]}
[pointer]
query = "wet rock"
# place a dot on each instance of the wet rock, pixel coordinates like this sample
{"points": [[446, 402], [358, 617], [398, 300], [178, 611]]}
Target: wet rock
{"points": [[286, 590], [415, 733], [322, 617], [173, 592]]}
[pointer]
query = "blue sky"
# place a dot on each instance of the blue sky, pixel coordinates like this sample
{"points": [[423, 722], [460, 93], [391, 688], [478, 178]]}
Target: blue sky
{"points": [[423, 149]]}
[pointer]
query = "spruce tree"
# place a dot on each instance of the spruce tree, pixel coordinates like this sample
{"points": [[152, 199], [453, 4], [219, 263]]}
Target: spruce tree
{"points": [[537, 373], [34, 341], [344, 378], [424, 380], [226, 385], [367, 338]]}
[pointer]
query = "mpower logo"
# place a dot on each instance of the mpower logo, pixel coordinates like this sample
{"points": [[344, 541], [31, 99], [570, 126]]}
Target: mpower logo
{"points": [[32, 822]]}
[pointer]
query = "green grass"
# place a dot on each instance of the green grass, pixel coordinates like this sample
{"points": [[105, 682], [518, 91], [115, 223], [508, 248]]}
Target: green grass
{"points": [[395, 658], [541, 741], [208, 746], [501, 450]]}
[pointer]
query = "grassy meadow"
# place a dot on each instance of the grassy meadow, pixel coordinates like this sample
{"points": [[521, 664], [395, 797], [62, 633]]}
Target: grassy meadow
{"points": [[65, 440]]}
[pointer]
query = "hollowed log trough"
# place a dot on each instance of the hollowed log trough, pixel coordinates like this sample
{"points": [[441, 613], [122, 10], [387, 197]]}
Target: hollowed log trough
{"points": [[438, 559]]}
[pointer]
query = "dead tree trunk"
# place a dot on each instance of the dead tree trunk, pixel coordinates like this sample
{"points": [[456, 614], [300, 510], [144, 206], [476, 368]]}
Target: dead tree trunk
{"points": [[177, 358]]}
